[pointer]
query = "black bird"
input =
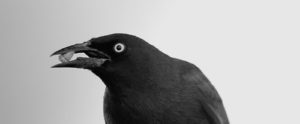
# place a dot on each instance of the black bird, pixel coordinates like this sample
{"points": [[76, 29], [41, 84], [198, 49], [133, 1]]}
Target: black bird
{"points": [[144, 85]]}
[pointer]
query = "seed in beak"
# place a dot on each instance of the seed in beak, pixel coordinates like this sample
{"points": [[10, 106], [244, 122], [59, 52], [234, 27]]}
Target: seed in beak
{"points": [[66, 57]]}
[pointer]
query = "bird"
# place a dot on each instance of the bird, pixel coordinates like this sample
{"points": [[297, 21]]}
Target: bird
{"points": [[145, 85]]}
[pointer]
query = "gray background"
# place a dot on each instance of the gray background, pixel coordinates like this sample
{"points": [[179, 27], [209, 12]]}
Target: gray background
{"points": [[248, 49]]}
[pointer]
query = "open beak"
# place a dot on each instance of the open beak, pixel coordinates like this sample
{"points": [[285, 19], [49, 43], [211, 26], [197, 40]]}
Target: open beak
{"points": [[96, 58]]}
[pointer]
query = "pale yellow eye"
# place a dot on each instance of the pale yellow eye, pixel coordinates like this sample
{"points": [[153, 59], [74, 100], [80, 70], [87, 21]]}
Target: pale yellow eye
{"points": [[119, 47]]}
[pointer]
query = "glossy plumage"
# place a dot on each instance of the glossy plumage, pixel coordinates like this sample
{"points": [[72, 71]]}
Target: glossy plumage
{"points": [[146, 86]]}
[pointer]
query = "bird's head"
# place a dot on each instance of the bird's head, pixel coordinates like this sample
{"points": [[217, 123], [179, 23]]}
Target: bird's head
{"points": [[111, 55]]}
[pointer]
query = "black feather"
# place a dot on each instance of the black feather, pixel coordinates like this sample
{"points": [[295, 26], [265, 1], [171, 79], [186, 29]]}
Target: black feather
{"points": [[146, 86]]}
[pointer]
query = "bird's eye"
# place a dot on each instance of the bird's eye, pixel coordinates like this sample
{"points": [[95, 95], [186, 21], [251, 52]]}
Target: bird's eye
{"points": [[119, 47]]}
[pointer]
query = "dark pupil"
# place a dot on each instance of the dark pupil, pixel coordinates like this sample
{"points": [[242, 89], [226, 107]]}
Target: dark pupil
{"points": [[119, 47]]}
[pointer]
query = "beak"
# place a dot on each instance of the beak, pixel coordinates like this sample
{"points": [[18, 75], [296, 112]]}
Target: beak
{"points": [[96, 58]]}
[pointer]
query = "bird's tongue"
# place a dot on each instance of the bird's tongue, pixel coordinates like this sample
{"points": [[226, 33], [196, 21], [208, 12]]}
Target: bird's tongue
{"points": [[79, 62], [66, 57]]}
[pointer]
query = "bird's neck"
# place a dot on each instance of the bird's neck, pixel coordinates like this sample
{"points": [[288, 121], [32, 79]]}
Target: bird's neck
{"points": [[145, 78]]}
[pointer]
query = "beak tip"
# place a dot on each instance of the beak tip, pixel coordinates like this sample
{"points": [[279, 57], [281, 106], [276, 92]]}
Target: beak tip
{"points": [[55, 53], [58, 66], [54, 66]]}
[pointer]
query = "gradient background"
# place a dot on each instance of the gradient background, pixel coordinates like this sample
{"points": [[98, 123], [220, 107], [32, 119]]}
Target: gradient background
{"points": [[248, 49]]}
